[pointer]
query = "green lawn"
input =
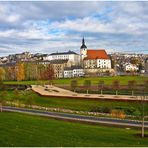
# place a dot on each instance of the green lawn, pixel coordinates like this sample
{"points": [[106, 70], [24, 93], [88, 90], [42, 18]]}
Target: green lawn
{"points": [[80, 104], [20, 130], [108, 80]]}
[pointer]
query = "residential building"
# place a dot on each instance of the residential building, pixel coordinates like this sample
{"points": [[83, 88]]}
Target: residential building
{"points": [[25, 56], [146, 65], [58, 67], [73, 71], [130, 67]]}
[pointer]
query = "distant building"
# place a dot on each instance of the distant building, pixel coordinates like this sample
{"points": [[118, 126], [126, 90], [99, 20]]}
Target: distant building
{"points": [[58, 67], [94, 58], [130, 67], [73, 71], [25, 56], [73, 57], [146, 65]]}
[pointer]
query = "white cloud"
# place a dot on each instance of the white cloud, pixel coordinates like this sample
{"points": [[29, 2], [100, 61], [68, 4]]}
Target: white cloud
{"points": [[50, 26]]}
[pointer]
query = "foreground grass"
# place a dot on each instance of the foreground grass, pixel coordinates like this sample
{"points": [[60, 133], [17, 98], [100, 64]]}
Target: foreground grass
{"points": [[79, 104], [108, 80], [26, 130]]}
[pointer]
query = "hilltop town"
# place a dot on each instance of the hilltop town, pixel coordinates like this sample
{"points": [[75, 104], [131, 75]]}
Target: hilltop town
{"points": [[89, 62]]}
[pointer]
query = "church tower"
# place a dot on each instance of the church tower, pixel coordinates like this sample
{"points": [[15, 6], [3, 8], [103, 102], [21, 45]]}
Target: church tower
{"points": [[83, 50]]}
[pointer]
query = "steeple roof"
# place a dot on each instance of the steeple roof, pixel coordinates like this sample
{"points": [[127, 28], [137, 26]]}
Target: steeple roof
{"points": [[83, 44]]}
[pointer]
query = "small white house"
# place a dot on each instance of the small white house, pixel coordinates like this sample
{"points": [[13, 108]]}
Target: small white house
{"points": [[73, 71], [130, 67]]}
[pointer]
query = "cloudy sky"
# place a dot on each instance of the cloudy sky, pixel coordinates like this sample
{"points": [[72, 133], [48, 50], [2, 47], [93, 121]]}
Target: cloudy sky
{"points": [[45, 27]]}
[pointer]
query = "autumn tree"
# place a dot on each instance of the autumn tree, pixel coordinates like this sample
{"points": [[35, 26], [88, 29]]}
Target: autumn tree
{"points": [[87, 84], [131, 86], [11, 73], [74, 84], [116, 85], [2, 74], [20, 74], [49, 74], [30, 71], [118, 114]]}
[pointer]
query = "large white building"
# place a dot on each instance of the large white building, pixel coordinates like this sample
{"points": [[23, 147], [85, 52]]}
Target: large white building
{"points": [[73, 57]]}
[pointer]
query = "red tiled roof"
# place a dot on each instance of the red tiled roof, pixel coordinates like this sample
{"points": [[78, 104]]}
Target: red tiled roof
{"points": [[96, 54]]}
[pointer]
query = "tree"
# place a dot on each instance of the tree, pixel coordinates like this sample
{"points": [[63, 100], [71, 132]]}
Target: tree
{"points": [[143, 98], [29, 99], [2, 74], [11, 73], [131, 86], [146, 86], [87, 84], [30, 71], [49, 74], [101, 86], [116, 85], [16, 96], [118, 114], [74, 84], [20, 74], [2, 99]]}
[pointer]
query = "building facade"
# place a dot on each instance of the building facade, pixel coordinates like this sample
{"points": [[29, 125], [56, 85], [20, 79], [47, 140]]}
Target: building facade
{"points": [[58, 67], [73, 71], [73, 57]]}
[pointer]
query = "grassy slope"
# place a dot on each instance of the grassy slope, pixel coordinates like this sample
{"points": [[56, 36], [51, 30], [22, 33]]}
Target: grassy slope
{"points": [[26, 130], [78, 104], [108, 80]]}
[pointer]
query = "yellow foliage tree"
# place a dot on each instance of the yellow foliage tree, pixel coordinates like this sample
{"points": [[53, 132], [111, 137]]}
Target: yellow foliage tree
{"points": [[20, 73], [118, 114], [2, 74]]}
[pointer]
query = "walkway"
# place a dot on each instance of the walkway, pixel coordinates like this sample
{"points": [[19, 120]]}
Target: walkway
{"points": [[53, 91]]}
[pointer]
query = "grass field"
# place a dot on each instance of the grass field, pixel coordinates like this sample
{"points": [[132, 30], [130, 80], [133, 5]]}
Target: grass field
{"points": [[26, 130], [80, 104], [108, 80]]}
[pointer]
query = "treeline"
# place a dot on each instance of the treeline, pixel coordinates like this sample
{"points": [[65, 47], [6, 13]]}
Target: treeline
{"points": [[114, 88], [26, 71]]}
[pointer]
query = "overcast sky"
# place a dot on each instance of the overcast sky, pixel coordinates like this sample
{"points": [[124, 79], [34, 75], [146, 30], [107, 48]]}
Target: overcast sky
{"points": [[45, 27]]}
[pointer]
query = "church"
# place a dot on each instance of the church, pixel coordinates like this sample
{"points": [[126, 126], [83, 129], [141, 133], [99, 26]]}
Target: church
{"points": [[94, 59]]}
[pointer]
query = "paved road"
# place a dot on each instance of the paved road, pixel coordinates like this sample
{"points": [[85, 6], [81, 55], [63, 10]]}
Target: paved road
{"points": [[74, 117]]}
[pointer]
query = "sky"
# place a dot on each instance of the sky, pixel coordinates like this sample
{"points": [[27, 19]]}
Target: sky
{"points": [[54, 26]]}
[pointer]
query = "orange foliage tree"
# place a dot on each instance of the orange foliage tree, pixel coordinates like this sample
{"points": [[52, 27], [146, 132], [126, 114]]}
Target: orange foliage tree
{"points": [[20, 74]]}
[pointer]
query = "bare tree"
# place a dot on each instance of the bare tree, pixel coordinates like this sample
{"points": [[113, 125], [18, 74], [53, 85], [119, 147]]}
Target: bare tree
{"points": [[49, 74], [143, 98], [116, 85], [131, 86], [74, 85], [101, 86], [87, 84]]}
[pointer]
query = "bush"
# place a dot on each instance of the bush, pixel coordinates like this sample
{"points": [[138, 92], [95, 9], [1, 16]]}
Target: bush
{"points": [[128, 110], [101, 109]]}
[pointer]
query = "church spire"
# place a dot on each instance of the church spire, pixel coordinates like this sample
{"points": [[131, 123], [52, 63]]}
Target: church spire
{"points": [[83, 43]]}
